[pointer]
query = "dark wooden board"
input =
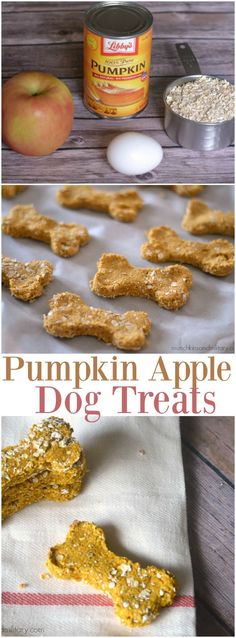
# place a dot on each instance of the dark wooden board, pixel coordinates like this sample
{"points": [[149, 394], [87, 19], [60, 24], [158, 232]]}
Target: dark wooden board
{"points": [[208, 453], [73, 166], [66, 60], [155, 7], [214, 441], [207, 624], [70, 29]]}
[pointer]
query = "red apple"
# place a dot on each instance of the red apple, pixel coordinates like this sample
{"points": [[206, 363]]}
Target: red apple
{"points": [[37, 113]]}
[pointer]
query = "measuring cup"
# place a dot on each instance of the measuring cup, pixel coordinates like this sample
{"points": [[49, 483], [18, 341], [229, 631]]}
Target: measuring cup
{"points": [[197, 136]]}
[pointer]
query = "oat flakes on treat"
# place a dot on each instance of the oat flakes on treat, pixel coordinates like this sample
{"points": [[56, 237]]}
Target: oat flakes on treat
{"points": [[47, 464], [64, 239], [70, 317], [138, 593], [123, 205], [115, 277], [164, 244], [199, 219], [26, 280], [9, 191], [186, 190]]}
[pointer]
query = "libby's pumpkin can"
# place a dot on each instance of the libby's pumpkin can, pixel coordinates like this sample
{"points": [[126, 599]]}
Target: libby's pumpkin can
{"points": [[117, 58]]}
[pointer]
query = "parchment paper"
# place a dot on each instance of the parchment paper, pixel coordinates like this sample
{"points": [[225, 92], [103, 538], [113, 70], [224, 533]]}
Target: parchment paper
{"points": [[204, 324]]}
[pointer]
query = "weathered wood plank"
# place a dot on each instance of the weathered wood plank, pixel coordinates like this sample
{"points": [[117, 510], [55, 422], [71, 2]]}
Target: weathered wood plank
{"points": [[65, 60], [89, 134], [213, 438], [73, 166], [210, 519], [155, 7], [29, 28]]}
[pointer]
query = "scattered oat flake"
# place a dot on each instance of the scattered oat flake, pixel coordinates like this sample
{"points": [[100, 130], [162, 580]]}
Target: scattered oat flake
{"points": [[45, 576], [124, 569], [22, 585]]}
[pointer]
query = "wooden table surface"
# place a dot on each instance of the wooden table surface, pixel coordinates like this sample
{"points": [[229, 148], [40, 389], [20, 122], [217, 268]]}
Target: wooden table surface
{"points": [[208, 455], [48, 36]]}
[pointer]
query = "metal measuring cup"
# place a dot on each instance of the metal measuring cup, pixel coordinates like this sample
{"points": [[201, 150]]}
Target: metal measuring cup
{"points": [[197, 136]]}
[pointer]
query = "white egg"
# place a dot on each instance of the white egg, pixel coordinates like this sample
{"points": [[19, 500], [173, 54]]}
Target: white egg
{"points": [[134, 153]]}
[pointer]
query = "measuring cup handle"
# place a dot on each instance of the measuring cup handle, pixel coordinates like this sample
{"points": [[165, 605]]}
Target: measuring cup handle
{"points": [[188, 59]]}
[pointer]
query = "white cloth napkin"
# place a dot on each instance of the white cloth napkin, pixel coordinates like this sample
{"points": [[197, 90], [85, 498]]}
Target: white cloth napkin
{"points": [[204, 324], [135, 491]]}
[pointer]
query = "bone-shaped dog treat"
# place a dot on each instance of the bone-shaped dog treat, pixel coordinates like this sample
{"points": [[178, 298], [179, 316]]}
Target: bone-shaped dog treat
{"points": [[65, 239], [164, 244], [116, 277], [47, 464], [71, 317], [26, 281], [9, 191], [138, 593], [199, 219], [123, 205], [186, 190]]}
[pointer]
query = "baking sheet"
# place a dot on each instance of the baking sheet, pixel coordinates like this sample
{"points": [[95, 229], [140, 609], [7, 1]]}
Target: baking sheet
{"points": [[204, 324], [139, 500]]}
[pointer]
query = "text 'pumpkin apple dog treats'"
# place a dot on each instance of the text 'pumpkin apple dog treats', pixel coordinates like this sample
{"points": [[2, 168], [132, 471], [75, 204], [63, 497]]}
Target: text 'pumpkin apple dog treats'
{"points": [[138, 593], [47, 464]]}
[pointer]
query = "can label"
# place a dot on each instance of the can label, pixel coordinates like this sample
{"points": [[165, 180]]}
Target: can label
{"points": [[116, 73]]}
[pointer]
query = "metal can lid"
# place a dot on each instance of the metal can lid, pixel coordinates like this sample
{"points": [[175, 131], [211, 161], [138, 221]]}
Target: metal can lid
{"points": [[118, 19]]}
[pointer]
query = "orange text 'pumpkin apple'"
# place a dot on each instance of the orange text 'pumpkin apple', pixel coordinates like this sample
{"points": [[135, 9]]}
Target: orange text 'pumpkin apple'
{"points": [[37, 113]]}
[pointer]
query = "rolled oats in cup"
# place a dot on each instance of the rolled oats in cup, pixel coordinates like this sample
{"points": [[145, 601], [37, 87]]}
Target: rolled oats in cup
{"points": [[199, 112], [206, 99]]}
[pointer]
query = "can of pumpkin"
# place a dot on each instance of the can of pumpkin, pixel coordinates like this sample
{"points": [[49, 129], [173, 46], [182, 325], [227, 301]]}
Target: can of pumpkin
{"points": [[117, 59]]}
